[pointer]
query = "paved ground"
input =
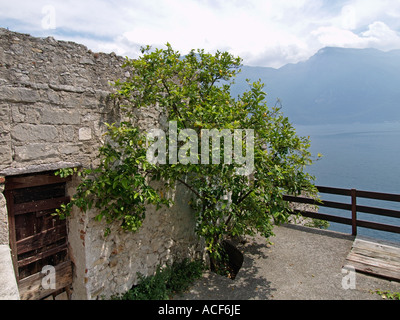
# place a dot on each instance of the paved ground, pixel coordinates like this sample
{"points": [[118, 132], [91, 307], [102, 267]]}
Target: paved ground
{"points": [[301, 264]]}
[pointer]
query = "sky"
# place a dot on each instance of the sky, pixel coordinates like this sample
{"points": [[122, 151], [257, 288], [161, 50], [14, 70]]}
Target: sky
{"points": [[267, 33]]}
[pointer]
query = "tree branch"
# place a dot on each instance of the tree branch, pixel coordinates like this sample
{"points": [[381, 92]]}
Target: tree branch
{"points": [[189, 187], [174, 104], [245, 196]]}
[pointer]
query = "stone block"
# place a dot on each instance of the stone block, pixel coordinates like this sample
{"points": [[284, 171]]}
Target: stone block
{"points": [[30, 132], [5, 154], [22, 95], [4, 119], [86, 60], [85, 133], [35, 151], [67, 133], [32, 115], [67, 88], [17, 116], [53, 97], [59, 116], [68, 149]]}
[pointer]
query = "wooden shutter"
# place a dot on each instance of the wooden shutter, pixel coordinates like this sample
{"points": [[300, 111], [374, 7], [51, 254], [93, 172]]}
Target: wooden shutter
{"points": [[38, 238]]}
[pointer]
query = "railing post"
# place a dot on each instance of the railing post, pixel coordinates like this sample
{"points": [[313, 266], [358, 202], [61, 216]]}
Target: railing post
{"points": [[354, 212]]}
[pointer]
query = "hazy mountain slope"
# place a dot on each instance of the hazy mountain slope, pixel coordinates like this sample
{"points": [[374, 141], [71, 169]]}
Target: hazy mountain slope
{"points": [[336, 85]]}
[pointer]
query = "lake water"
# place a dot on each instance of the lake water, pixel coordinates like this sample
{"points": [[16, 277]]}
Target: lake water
{"points": [[361, 156]]}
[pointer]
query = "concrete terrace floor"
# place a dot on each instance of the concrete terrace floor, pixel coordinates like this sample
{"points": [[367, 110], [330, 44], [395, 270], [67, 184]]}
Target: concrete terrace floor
{"points": [[301, 264]]}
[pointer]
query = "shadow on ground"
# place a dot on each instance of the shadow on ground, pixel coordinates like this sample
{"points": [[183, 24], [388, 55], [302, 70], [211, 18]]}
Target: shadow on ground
{"points": [[248, 284], [301, 264]]}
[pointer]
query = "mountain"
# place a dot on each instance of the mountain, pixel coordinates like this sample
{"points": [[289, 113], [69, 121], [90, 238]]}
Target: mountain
{"points": [[336, 85]]}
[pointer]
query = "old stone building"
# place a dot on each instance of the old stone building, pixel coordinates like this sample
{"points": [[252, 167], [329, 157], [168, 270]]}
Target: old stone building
{"points": [[54, 101]]}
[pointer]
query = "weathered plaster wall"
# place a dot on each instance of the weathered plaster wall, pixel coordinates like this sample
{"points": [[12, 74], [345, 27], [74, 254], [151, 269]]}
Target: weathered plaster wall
{"points": [[54, 101], [112, 262]]}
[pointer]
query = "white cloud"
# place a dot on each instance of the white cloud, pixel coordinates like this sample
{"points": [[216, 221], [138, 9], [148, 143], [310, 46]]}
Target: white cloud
{"points": [[381, 36], [248, 28], [349, 17], [378, 35], [336, 37], [263, 32]]}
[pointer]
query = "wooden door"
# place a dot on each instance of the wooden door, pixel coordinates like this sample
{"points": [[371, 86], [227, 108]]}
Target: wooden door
{"points": [[38, 239]]}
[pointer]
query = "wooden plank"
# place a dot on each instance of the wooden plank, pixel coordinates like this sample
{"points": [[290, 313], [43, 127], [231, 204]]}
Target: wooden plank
{"points": [[25, 225], [298, 199], [42, 255], [40, 205], [377, 250], [376, 258], [378, 195], [323, 203], [323, 216], [330, 190], [374, 271], [30, 288], [354, 212], [382, 267], [383, 256], [42, 239], [33, 181], [12, 232], [336, 205], [373, 261], [39, 193], [378, 226], [379, 211], [378, 245]]}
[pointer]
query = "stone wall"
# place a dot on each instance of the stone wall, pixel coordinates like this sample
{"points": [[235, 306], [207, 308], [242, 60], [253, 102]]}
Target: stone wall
{"points": [[54, 101]]}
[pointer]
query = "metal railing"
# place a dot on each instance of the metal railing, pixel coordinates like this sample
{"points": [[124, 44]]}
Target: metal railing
{"points": [[351, 206]]}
